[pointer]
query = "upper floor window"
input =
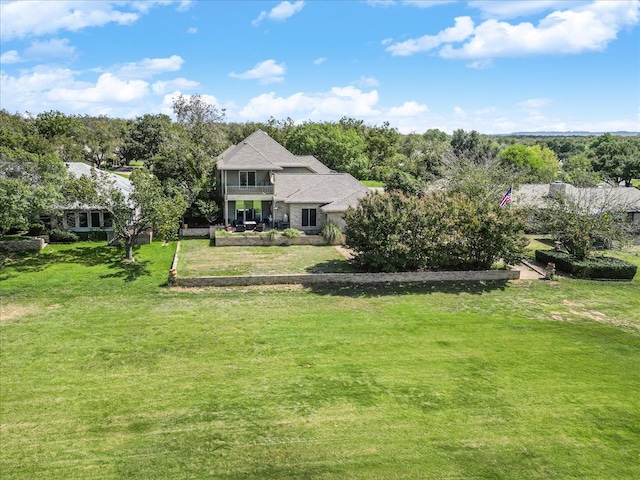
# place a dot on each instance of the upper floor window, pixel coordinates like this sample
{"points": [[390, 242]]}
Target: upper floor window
{"points": [[247, 179]]}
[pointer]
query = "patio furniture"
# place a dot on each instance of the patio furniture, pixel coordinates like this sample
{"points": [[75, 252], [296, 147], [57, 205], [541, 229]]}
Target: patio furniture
{"points": [[250, 225], [240, 228], [260, 227]]}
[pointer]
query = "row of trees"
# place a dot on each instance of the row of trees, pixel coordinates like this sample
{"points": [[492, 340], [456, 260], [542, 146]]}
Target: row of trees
{"points": [[181, 155]]}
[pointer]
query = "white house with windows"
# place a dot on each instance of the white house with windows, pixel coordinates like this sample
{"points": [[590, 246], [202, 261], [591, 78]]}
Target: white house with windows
{"points": [[262, 182], [84, 219]]}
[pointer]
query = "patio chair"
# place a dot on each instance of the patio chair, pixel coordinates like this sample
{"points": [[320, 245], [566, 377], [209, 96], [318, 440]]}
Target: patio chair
{"points": [[260, 227], [240, 228]]}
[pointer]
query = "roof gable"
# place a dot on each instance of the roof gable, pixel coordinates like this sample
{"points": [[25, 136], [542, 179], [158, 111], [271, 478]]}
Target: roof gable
{"points": [[257, 152]]}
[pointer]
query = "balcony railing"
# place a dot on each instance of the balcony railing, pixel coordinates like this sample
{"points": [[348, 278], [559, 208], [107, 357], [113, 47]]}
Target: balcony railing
{"points": [[250, 190]]}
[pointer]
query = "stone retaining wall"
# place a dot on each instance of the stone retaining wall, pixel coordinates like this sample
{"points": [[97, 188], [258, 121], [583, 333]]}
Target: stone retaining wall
{"points": [[239, 240], [30, 245], [206, 232], [352, 278]]}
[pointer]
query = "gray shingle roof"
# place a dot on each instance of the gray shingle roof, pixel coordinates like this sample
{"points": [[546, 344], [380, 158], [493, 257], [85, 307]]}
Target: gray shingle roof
{"points": [[79, 169], [601, 198], [257, 152], [335, 191]]}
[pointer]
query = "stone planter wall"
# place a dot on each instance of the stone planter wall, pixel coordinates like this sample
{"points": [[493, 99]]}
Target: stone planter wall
{"points": [[30, 245], [206, 232], [239, 240]]}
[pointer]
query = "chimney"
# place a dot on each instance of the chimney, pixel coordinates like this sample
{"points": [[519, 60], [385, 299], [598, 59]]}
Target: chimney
{"points": [[557, 188]]}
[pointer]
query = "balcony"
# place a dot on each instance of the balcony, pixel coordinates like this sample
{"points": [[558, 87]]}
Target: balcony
{"points": [[250, 190]]}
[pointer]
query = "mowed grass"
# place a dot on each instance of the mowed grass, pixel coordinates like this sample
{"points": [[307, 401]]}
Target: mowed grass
{"points": [[107, 374], [198, 258]]}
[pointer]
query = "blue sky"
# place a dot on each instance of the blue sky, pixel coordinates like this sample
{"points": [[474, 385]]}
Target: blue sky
{"points": [[492, 66]]}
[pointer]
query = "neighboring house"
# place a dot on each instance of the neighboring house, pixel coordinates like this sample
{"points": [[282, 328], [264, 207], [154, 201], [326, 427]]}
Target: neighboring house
{"points": [[618, 200], [261, 181], [84, 219]]}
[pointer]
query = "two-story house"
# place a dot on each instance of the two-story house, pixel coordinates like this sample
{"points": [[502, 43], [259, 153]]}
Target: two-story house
{"points": [[261, 181]]}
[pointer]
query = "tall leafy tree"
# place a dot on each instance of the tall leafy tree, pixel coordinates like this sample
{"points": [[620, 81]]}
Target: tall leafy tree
{"points": [[532, 164], [31, 186], [147, 207], [187, 155], [616, 158], [578, 171], [340, 149], [144, 138], [474, 147]]}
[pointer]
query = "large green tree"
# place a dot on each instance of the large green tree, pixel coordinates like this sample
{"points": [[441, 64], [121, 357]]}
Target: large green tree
{"points": [[31, 186], [144, 138], [582, 221], [186, 158], [147, 207], [616, 158], [340, 149], [531, 164]]}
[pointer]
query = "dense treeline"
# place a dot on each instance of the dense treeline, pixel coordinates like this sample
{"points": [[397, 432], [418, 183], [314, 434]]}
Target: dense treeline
{"points": [[181, 154]]}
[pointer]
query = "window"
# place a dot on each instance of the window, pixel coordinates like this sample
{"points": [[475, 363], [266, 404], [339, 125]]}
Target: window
{"points": [[71, 219], [95, 219], [308, 217], [83, 222], [108, 222], [247, 179]]}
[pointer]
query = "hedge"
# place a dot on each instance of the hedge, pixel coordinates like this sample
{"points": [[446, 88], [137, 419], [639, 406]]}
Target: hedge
{"points": [[591, 267]]}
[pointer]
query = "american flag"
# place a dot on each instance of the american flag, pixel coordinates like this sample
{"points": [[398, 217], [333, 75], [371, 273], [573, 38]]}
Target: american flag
{"points": [[507, 198]]}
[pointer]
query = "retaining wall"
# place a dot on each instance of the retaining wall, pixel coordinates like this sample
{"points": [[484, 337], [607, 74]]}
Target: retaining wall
{"points": [[352, 278], [239, 240], [30, 245], [206, 232]]}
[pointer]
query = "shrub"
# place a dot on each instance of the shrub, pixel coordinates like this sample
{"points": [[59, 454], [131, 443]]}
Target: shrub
{"points": [[331, 233], [291, 233], [440, 231], [62, 236], [37, 228], [272, 235], [589, 267]]}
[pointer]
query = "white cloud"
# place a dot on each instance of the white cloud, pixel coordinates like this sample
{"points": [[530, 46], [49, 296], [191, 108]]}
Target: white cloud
{"points": [[20, 19], [267, 72], [408, 109], [582, 28], [148, 67], [108, 88], [319, 61], [534, 104], [192, 30], [562, 32], [427, 3], [337, 102], [459, 112], [517, 8], [54, 48], [280, 12], [161, 87], [481, 64], [462, 29], [11, 56], [366, 82]]}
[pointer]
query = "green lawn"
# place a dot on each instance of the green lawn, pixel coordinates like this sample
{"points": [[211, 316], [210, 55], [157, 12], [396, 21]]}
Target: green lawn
{"points": [[198, 259], [107, 374]]}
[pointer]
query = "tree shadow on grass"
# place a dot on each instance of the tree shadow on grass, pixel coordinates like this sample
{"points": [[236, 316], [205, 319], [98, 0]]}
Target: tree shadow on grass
{"points": [[417, 288], [129, 271], [88, 256], [332, 266]]}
